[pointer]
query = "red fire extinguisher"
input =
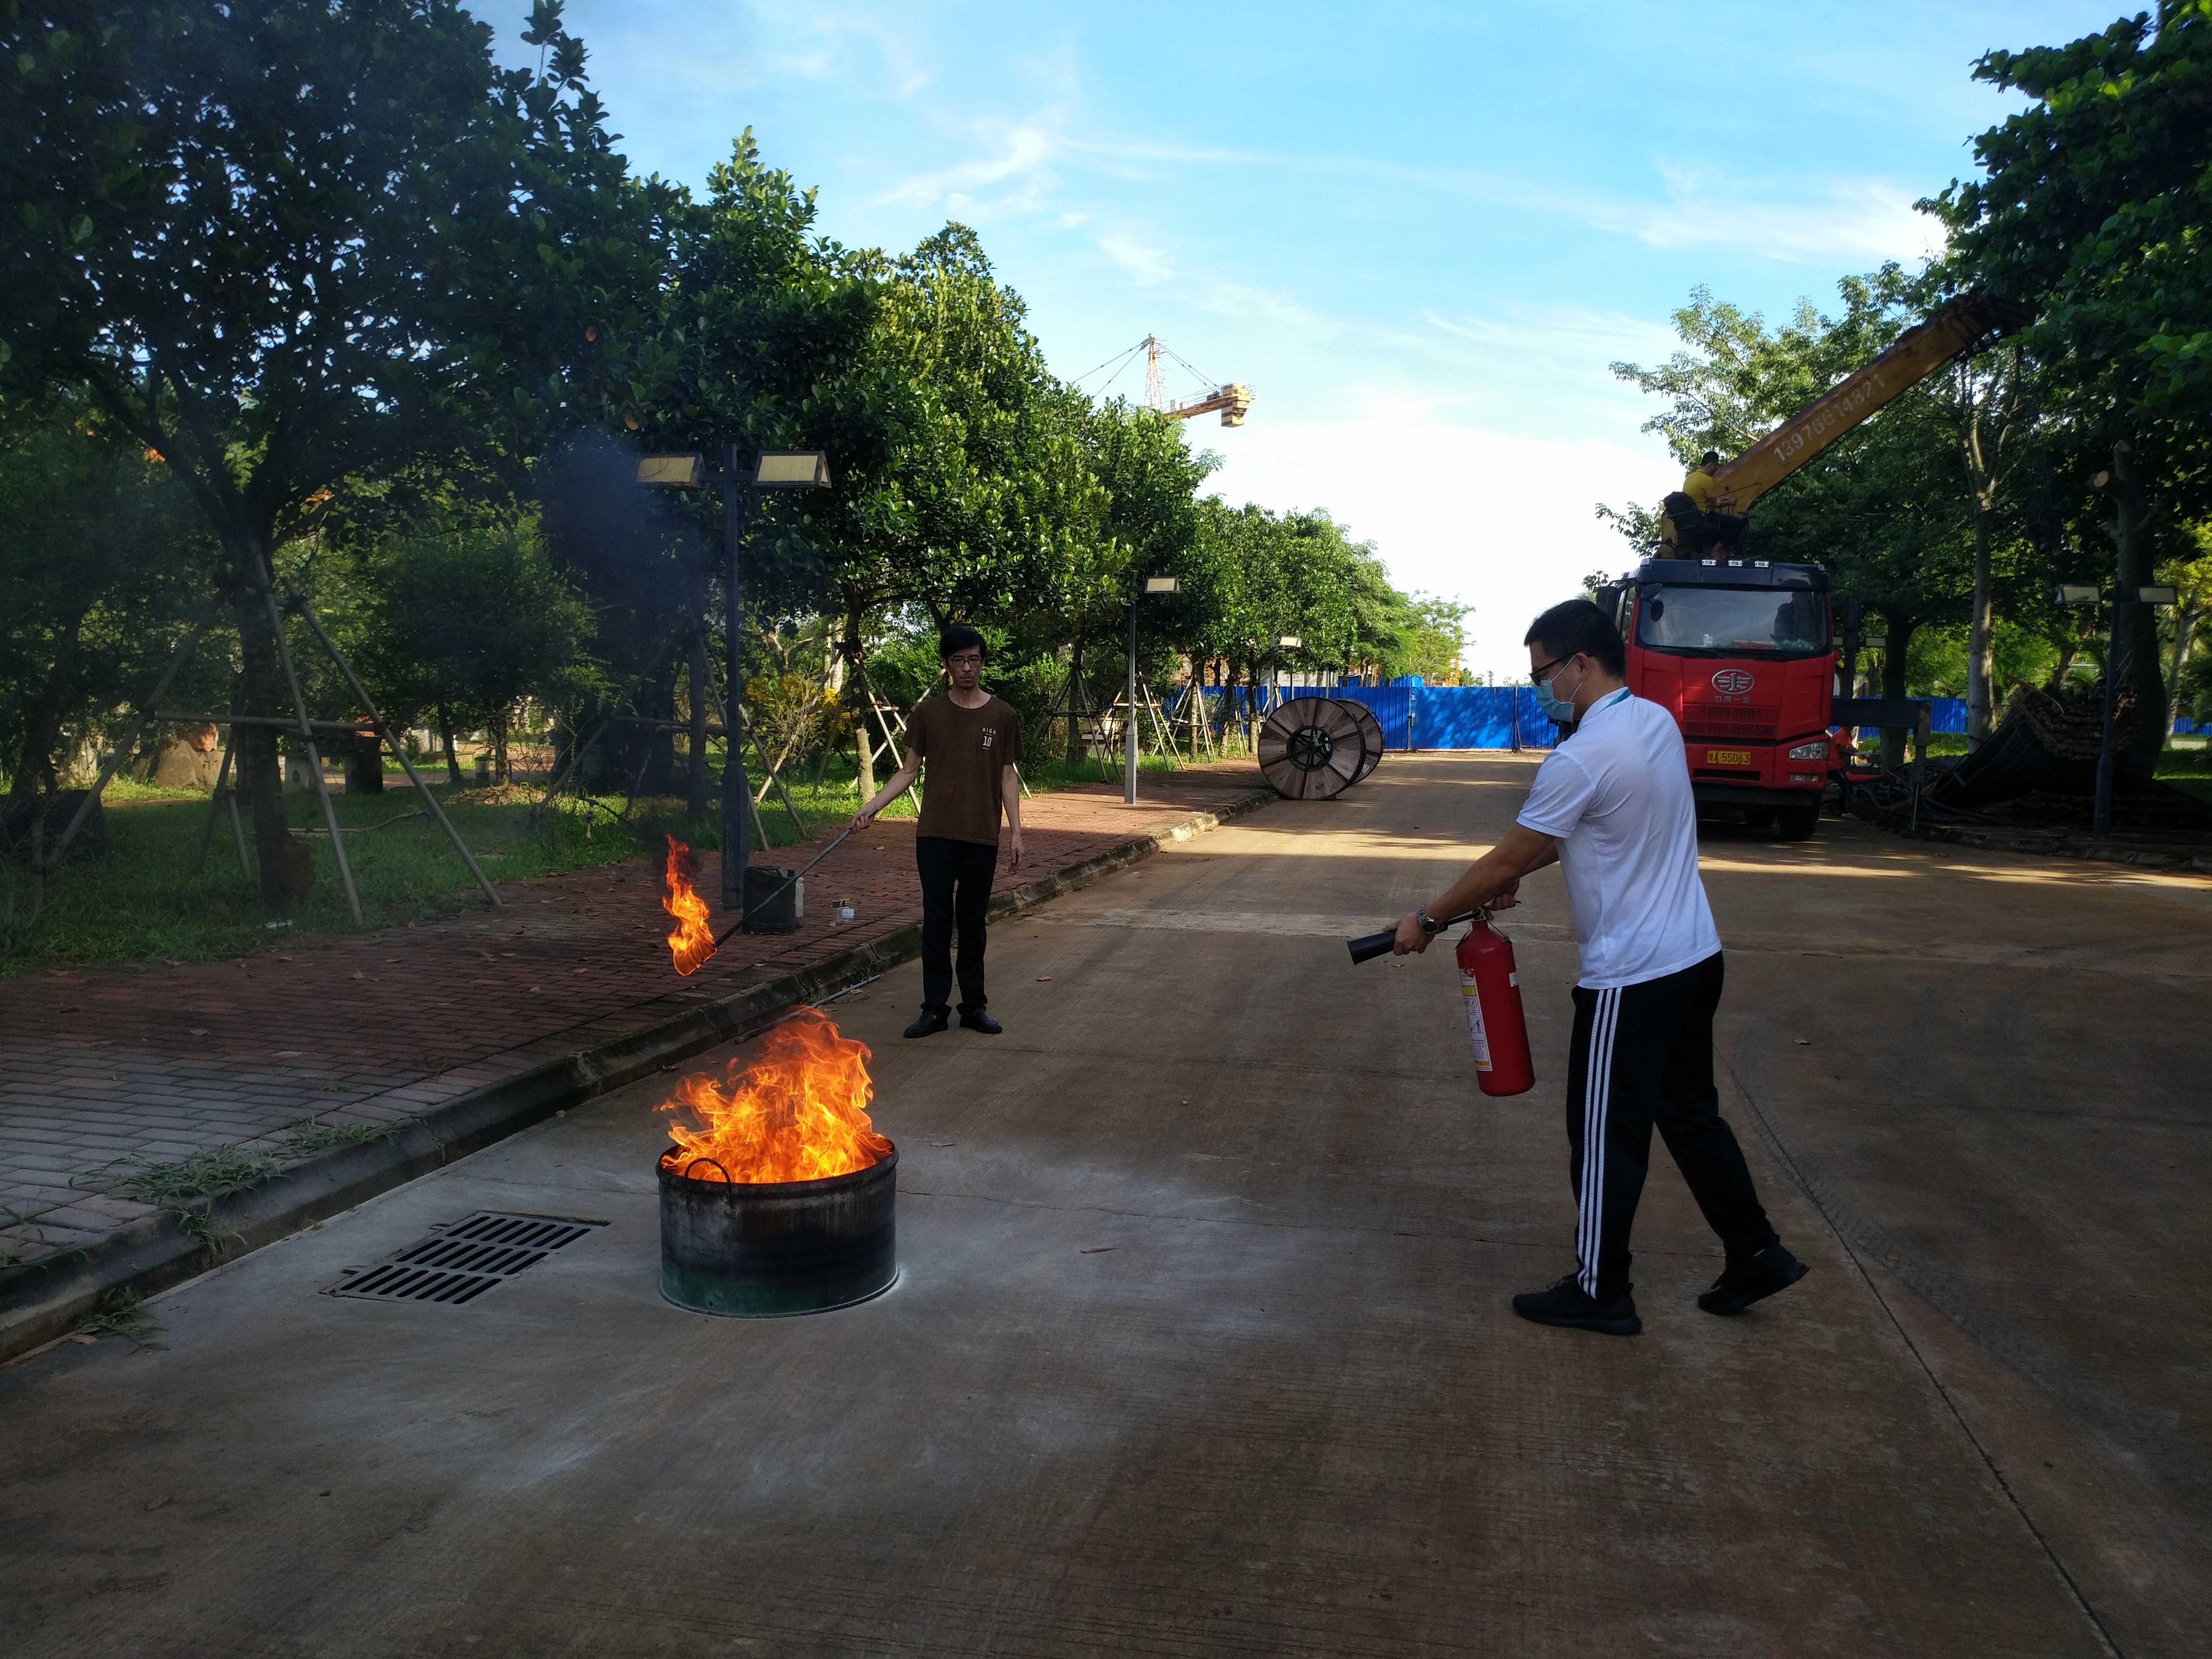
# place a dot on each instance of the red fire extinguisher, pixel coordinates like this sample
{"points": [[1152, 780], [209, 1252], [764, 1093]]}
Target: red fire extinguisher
{"points": [[1491, 988]]}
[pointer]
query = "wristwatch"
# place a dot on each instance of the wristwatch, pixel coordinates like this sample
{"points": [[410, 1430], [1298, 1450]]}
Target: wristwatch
{"points": [[1430, 924]]}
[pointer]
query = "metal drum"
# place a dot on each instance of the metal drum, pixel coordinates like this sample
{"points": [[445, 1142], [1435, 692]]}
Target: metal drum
{"points": [[761, 1250]]}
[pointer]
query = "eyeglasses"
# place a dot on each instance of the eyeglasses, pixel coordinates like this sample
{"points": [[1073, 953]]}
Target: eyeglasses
{"points": [[965, 659], [1537, 675]]}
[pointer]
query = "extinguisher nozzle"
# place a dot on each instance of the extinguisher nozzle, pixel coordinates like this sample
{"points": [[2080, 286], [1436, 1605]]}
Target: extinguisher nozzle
{"points": [[1368, 946]]}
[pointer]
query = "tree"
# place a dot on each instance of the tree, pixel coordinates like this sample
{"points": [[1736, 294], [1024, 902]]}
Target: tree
{"points": [[477, 614], [295, 243], [98, 560], [2095, 207]]}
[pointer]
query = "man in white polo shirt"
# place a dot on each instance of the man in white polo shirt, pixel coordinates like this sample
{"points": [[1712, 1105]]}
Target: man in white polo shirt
{"points": [[1613, 806]]}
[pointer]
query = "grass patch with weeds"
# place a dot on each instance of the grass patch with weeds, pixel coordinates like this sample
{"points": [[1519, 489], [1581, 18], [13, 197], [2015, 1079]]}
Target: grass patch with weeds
{"points": [[310, 1137], [201, 1175], [124, 1314]]}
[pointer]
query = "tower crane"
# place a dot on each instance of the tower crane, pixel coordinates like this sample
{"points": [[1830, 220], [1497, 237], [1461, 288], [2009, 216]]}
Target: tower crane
{"points": [[1232, 397]]}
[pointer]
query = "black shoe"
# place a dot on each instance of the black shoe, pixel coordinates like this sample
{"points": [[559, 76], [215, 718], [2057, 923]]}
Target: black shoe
{"points": [[1754, 1277], [979, 1019], [929, 1024], [1567, 1304]]}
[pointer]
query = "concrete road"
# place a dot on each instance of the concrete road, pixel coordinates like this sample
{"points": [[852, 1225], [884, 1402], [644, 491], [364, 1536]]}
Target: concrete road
{"points": [[1202, 1345]]}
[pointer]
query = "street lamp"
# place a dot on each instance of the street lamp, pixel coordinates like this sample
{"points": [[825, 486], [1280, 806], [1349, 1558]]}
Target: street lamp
{"points": [[803, 469], [2083, 594], [1152, 585]]}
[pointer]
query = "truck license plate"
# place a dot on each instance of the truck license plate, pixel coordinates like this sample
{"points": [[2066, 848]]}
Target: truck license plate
{"points": [[1727, 756]]}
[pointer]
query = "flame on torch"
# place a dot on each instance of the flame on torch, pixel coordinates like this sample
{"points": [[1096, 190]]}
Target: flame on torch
{"points": [[692, 941]]}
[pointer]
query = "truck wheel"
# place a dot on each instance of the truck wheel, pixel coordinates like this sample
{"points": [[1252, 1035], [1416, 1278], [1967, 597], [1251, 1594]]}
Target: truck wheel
{"points": [[1797, 823]]}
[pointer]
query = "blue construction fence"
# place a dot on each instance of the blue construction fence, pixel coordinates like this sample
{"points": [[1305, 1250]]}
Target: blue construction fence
{"points": [[1416, 716], [1477, 716]]}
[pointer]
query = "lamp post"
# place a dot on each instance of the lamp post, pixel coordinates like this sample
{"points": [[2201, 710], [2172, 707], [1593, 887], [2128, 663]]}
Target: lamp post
{"points": [[1152, 585], [803, 469]]}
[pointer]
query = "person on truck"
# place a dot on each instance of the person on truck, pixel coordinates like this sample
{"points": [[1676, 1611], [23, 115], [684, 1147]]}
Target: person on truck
{"points": [[1612, 806], [1700, 486]]}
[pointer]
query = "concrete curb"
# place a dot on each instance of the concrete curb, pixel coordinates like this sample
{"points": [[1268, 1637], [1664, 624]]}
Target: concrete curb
{"points": [[42, 1301], [1997, 841]]}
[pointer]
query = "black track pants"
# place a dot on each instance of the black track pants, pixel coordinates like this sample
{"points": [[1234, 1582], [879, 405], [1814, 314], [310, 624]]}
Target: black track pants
{"points": [[955, 892], [1641, 1055]]}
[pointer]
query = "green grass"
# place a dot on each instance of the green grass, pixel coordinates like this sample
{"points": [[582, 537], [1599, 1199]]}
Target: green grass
{"points": [[124, 1314], [313, 1137], [211, 1169], [143, 901]]}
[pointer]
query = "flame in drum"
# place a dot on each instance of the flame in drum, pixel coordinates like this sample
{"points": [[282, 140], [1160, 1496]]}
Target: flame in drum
{"points": [[796, 1109], [692, 940]]}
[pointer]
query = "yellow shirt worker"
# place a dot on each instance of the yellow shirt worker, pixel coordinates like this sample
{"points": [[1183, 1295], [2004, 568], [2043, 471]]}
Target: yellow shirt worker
{"points": [[1700, 486]]}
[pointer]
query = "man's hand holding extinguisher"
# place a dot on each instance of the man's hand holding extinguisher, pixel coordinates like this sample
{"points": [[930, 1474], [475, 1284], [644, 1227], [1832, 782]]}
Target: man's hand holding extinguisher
{"points": [[1489, 883]]}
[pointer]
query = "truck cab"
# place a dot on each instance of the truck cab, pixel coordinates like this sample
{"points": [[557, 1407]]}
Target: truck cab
{"points": [[1741, 653]]}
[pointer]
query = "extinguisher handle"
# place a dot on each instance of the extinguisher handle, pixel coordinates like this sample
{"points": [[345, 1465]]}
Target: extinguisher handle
{"points": [[1368, 946]]}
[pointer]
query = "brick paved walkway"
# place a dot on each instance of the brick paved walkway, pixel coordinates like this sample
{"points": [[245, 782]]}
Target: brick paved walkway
{"points": [[101, 1069]]}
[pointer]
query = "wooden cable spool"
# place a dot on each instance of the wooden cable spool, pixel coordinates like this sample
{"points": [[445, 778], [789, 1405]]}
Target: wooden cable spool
{"points": [[1313, 749]]}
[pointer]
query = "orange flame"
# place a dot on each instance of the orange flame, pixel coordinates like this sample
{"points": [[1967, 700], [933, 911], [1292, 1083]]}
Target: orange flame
{"points": [[693, 940], [796, 1110]]}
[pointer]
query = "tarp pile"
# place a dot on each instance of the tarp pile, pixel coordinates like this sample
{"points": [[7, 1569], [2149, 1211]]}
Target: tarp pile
{"points": [[2046, 741], [2039, 771]]}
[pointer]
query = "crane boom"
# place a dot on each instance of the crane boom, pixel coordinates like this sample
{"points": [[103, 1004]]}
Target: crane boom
{"points": [[1232, 400], [1919, 352]]}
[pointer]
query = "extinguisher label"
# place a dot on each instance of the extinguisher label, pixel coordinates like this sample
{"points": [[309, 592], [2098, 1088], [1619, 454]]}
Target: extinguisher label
{"points": [[1472, 997]]}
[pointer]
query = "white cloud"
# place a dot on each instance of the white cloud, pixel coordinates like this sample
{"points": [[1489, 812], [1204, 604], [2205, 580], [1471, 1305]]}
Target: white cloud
{"points": [[1144, 263], [1501, 522], [1022, 154]]}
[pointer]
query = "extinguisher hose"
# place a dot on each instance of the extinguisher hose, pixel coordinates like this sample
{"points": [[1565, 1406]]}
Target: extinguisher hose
{"points": [[1368, 946]]}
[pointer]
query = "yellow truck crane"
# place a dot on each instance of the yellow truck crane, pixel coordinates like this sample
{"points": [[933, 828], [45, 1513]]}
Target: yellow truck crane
{"points": [[1958, 328], [1742, 650]]}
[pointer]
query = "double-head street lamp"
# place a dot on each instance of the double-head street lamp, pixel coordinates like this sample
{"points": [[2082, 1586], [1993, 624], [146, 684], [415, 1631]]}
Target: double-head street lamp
{"points": [[1152, 585], [800, 469], [2087, 594]]}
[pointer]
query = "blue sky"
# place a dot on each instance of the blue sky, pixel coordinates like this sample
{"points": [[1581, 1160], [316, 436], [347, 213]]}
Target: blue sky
{"points": [[1420, 233]]}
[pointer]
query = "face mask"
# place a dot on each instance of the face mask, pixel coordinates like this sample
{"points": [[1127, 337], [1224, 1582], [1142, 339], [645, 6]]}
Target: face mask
{"points": [[1558, 711]]}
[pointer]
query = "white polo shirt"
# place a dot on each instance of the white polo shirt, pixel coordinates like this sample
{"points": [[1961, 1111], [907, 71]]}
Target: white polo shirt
{"points": [[1616, 795]]}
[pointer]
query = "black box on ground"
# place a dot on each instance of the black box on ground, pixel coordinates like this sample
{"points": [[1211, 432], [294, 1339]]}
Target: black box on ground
{"points": [[769, 910]]}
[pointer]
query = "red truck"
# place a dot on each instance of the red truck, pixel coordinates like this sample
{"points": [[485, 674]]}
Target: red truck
{"points": [[1741, 653]]}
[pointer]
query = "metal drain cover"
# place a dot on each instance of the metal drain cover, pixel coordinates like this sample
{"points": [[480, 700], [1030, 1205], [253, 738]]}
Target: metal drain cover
{"points": [[463, 1259]]}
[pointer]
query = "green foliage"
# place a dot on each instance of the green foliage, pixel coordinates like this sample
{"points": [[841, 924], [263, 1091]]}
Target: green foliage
{"points": [[471, 617], [98, 563], [2095, 205]]}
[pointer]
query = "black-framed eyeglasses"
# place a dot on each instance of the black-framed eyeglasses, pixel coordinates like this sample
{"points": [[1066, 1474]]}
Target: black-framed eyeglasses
{"points": [[965, 659], [1537, 675]]}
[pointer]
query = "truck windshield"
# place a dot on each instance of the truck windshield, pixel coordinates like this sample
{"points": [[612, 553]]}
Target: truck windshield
{"points": [[1783, 622]]}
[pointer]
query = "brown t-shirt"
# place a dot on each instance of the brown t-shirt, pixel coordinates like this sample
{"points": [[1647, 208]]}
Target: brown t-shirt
{"points": [[966, 749]]}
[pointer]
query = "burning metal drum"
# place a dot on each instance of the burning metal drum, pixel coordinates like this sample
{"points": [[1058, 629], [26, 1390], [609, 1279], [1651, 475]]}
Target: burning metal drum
{"points": [[777, 1193], [760, 1249]]}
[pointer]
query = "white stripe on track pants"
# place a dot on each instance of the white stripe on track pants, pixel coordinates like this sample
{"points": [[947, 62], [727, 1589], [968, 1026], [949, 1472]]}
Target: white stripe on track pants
{"points": [[1641, 1056]]}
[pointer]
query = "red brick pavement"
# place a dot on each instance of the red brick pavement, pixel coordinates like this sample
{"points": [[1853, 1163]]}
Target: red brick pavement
{"points": [[101, 1069]]}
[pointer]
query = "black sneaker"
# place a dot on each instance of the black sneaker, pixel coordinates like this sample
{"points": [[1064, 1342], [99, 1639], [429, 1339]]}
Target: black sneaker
{"points": [[979, 1019], [929, 1024], [1567, 1304], [1755, 1277]]}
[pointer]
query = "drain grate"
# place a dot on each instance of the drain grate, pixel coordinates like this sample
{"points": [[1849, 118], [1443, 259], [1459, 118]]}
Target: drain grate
{"points": [[461, 1260]]}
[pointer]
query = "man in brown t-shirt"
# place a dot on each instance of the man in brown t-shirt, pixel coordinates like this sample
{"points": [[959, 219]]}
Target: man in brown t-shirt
{"points": [[971, 742]]}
